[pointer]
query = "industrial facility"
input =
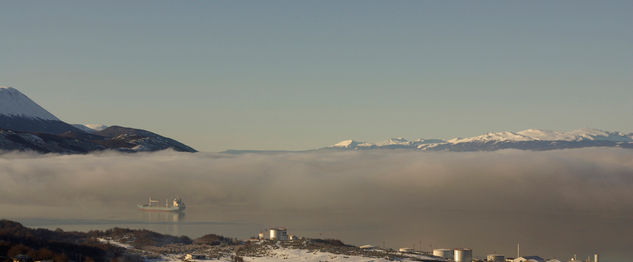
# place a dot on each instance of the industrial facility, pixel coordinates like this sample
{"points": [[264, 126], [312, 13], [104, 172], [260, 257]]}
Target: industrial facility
{"points": [[457, 254], [466, 255], [276, 233], [529, 259], [443, 252], [495, 258]]}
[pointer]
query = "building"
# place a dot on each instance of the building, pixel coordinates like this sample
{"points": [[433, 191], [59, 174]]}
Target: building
{"points": [[495, 258], [529, 259]]}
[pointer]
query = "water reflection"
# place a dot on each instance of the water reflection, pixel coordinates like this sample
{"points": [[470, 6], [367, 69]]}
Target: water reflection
{"points": [[161, 217], [169, 222]]}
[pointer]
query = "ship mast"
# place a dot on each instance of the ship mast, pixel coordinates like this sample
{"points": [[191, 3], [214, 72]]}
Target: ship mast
{"points": [[152, 201]]}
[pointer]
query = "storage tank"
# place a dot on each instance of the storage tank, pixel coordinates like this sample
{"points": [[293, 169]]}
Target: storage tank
{"points": [[463, 255], [443, 252], [278, 234], [495, 258], [274, 233]]}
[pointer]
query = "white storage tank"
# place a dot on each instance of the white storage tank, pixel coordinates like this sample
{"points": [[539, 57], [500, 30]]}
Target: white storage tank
{"points": [[274, 233], [463, 255], [443, 252], [495, 258], [278, 234]]}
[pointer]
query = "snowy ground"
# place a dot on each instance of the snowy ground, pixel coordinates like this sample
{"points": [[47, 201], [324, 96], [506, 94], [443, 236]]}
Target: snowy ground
{"points": [[287, 254], [308, 256], [277, 253], [114, 243]]}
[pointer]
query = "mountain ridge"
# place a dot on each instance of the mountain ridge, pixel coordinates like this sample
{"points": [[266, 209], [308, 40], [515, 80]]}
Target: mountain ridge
{"points": [[529, 139], [24, 125]]}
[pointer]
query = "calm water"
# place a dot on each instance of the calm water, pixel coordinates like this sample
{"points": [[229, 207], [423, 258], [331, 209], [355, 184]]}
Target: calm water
{"points": [[485, 232]]}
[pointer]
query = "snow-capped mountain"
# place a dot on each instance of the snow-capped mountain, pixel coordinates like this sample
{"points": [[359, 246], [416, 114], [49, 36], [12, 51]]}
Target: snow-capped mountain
{"points": [[24, 125], [391, 143], [530, 139], [20, 113], [546, 135], [14, 103], [352, 144]]}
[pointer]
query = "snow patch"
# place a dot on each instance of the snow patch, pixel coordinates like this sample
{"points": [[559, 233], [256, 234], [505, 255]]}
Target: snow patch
{"points": [[90, 128], [351, 144], [114, 243]]}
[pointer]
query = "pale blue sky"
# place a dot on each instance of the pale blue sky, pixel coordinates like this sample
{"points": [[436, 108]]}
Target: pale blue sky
{"points": [[298, 75]]}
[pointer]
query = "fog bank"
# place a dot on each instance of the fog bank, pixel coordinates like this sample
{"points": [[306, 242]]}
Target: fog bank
{"points": [[376, 191]]}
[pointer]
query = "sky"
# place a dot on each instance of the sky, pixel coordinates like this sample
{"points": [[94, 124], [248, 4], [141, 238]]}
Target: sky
{"points": [[220, 75]]}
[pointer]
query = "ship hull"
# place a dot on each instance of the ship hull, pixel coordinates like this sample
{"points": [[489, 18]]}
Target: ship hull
{"points": [[160, 209]]}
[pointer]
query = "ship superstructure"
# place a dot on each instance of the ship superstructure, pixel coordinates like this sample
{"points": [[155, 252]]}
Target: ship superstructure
{"points": [[153, 205]]}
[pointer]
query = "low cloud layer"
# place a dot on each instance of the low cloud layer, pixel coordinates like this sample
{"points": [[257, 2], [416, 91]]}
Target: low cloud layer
{"points": [[369, 188], [582, 180]]}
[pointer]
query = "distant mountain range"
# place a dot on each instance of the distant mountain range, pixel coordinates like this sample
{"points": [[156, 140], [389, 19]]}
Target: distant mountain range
{"points": [[530, 139], [24, 125]]}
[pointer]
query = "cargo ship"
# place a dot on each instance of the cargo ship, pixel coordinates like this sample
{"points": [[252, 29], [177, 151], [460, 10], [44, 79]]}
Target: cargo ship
{"points": [[176, 206]]}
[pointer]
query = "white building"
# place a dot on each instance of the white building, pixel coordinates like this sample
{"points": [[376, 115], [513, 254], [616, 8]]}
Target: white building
{"points": [[443, 252], [529, 259], [495, 258]]}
